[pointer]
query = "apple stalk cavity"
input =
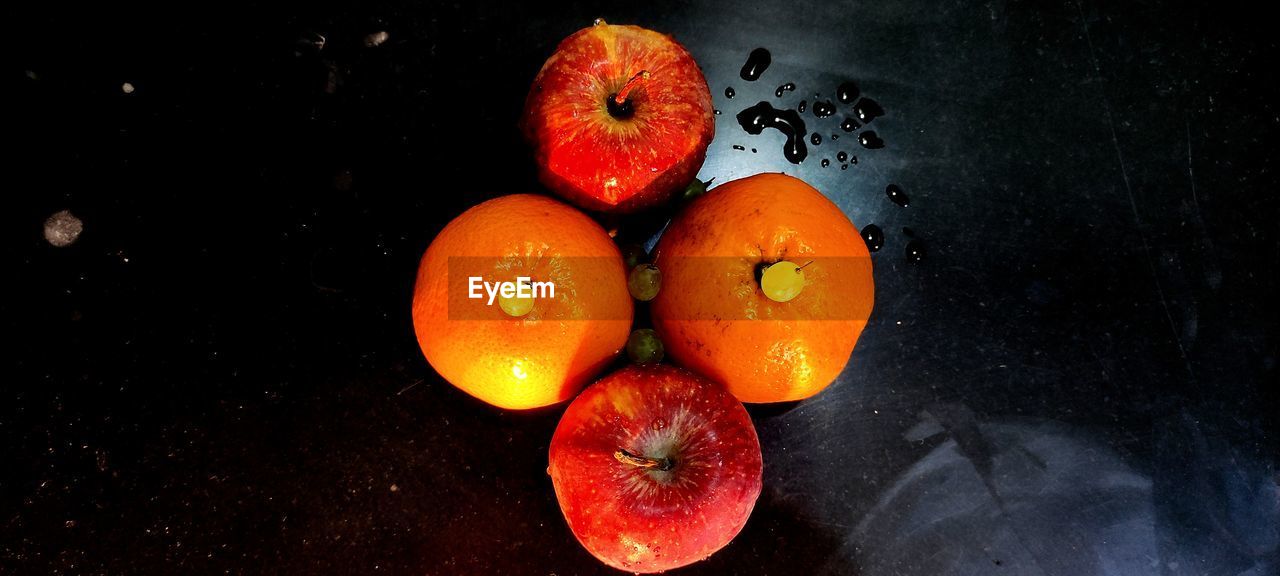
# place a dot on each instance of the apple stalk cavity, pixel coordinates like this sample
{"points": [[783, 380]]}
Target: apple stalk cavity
{"points": [[659, 464], [619, 103]]}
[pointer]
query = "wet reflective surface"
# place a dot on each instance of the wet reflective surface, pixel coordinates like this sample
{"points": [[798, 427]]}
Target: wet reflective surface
{"points": [[219, 372]]}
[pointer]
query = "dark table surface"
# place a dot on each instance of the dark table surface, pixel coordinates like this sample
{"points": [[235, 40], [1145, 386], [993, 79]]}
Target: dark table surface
{"points": [[221, 373]]}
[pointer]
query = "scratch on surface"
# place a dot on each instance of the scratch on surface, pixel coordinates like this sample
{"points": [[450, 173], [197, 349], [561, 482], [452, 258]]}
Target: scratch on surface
{"points": [[1133, 203], [409, 387], [1098, 358], [1191, 174], [1210, 261]]}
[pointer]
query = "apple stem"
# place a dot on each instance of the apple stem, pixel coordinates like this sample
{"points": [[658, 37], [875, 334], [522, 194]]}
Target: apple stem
{"points": [[640, 77], [662, 464]]}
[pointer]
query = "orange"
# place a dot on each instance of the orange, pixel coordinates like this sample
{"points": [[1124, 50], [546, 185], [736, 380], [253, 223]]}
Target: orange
{"points": [[513, 353], [714, 317]]}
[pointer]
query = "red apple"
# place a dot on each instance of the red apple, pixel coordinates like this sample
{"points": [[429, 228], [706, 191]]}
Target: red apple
{"points": [[619, 117], [655, 468]]}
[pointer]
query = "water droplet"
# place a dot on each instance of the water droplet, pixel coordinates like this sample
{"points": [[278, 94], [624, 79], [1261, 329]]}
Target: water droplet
{"points": [[842, 156], [849, 125], [835, 136], [753, 150], [847, 92], [738, 147], [763, 115], [867, 110], [844, 166], [788, 87], [853, 159], [915, 251], [823, 108], [803, 105], [757, 62], [815, 139], [729, 92], [896, 195], [825, 162], [717, 111], [873, 236], [870, 140]]}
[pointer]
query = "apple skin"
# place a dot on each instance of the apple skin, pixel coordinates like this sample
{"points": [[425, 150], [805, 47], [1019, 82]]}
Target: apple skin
{"points": [[621, 165], [650, 520]]}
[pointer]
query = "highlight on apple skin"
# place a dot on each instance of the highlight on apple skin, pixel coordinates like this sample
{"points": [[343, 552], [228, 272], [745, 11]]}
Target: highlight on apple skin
{"points": [[619, 118], [655, 468]]}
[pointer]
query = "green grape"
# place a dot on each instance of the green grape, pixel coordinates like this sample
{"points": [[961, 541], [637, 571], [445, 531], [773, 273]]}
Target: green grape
{"points": [[633, 255], [644, 282], [695, 189], [644, 347], [515, 306], [782, 281]]}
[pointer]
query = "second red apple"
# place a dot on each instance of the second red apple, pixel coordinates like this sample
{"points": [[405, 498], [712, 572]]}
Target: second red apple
{"points": [[655, 468]]}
